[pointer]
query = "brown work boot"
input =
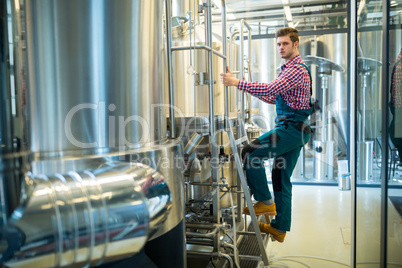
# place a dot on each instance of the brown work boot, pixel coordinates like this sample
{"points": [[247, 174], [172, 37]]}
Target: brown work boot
{"points": [[261, 209], [268, 229]]}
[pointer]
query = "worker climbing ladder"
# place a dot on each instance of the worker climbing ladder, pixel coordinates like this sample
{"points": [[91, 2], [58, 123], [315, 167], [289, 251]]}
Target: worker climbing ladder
{"points": [[234, 143]]}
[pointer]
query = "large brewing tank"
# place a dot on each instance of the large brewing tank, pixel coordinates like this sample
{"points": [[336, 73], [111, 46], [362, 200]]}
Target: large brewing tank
{"points": [[96, 87], [333, 47], [369, 47], [190, 71], [95, 75]]}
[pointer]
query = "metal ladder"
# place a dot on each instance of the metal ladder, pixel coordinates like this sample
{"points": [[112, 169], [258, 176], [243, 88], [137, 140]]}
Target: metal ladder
{"points": [[234, 143]]}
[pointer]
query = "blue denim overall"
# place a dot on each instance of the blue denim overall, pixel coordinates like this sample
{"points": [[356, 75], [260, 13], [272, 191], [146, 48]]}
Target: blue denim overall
{"points": [[283, 143]]}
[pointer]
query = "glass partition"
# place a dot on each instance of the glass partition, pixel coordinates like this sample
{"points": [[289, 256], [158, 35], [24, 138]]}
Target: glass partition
{"points": [[379, 134], [368, 118], [393, 221]]}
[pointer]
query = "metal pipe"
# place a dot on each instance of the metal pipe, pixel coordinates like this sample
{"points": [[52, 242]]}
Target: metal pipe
{"points": [[324, 88], [230, 58], [235, 253], [212, 254], [248, 257], [199, 242], [202, 225], [170, 69], [5, 118], [230, 48], [224, 38], [352, 11], [242, 65], [212, 138], [199, 47], [206, 235], [242, 24], [249, 68], [192, 144], [88, 217], [209, 184], [363, 101], [208, 32], [13, 132]]}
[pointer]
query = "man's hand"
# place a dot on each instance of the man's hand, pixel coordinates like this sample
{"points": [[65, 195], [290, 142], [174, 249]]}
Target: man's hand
{"points": [[228, 79]]}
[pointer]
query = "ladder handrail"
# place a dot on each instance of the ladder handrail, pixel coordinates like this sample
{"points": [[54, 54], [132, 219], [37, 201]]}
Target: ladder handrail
{"points": [[244, 185]]}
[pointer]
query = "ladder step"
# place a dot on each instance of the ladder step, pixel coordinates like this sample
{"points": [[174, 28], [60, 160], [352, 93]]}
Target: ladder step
{"points": [[250, 233], [242, 139]]}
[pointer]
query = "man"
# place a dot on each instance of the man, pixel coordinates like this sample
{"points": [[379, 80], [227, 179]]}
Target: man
{"points": [[291, 92]]}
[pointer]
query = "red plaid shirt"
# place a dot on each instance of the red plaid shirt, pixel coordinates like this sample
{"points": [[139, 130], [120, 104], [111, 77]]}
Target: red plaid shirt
{"points": [[396, 89], [293, 84]]}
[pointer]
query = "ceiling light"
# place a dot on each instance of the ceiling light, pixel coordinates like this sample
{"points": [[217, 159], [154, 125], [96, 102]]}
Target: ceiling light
{"points": [[288, 13], [361, 6]]}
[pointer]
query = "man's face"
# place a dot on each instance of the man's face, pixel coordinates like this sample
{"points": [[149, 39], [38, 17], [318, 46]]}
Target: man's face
{"points": [[286, 48]]}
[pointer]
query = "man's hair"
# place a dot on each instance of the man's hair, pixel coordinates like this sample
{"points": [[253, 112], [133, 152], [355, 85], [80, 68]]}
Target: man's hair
{"points": [[292, 32]]}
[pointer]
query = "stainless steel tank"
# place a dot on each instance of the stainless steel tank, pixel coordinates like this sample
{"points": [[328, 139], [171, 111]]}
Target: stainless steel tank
{"points": [[190, 72], [80, 62], [334, 48], [264, 61], [323, 160], [96, 92]]}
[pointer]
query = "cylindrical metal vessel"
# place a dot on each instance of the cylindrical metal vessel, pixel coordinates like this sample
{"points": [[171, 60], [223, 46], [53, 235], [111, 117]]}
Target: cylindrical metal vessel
{"points": [[191, 73], [323, 160], [333, 47], [86, 218], [95, 75], [96, 86], [181, 8], [344, 182], [365, 161], [264, 61]]}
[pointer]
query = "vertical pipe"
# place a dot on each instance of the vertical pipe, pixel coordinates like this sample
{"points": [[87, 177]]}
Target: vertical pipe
{"points": [[364, 88], [239, 197], [352, 8], [242, 65], [212, 137], [225, 62], [385, 133], [249, 70], [170, 68], [208, 40], [5, 111], [324, 107]]}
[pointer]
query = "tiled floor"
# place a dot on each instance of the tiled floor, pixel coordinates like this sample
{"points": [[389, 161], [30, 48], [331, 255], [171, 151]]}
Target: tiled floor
{"points": [[320, 235], [320, 228]]}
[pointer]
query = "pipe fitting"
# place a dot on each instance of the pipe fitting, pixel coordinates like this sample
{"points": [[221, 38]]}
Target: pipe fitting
{"points": [[86, 218]]}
